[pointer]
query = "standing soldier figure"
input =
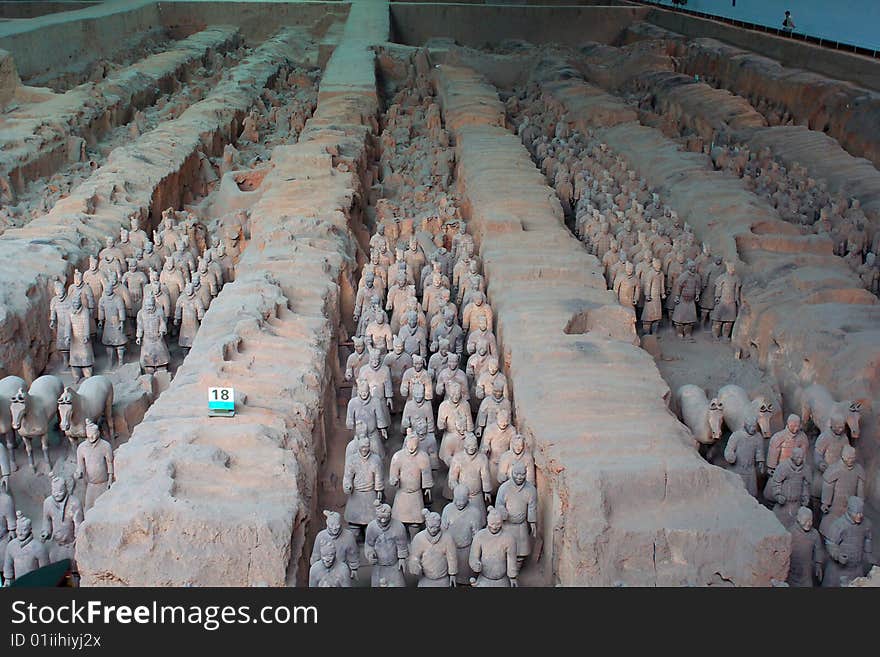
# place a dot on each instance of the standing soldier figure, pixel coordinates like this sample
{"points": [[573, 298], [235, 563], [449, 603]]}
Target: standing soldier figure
{"points": [[150, 335], [82, 356], [728, 295]]}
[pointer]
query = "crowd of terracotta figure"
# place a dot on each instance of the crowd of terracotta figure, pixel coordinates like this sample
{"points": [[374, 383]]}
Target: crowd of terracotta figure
{"points": [[652, 264], [805, 201], [650, 257], [425, 362], [147, 290]]}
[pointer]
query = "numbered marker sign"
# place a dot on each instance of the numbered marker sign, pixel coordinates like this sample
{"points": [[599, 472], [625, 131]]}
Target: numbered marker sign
{"points": [[221, 401]]}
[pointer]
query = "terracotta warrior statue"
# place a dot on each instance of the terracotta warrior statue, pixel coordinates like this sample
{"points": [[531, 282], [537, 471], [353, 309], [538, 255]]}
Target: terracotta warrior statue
{"points": [[370, 411], [849, 546], [497, 439], [452, 374], [364, 483], [493, 554], [790, 486], [357, 359], [433, 557], [82, 356], [62, 517], [745, 454], [654, 290], [23, 553], [470, 466], [59, 320], [829, 446], [517, 502], [728, 291], [329, 570], [781, 446], [840, 481], [94, 463], [627, 287], [188, 315], [490, 406], [807, 551], [398, 362], [342, 539], [150, 336], [416, 374], [462, 520], [112, 314], [378, 376], [687, 295], [518, 453], [410, 471], [386, 547], [79, 288]]}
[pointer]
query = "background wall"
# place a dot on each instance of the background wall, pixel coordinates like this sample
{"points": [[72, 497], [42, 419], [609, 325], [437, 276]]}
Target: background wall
{"points": [[849, 21]]}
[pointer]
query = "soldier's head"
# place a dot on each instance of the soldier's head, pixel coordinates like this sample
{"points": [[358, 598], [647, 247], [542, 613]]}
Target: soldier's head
{"points": [[93, 432], [461, 495], [109, 241], [478, 298], [412, 318], [449, 316], [731, 268], [848, 456], [656, 264], [328, 553], [493, 520], [452, 361], [518, 473], [518, 444], [369, 278], [380, 317], [334, 523], [22, 526], [837, 423], [750, 424], [418, 391], [418, 362], [401, 279], [359, 344], [189, 289], [363, 389], [76, 303], [691, 266], [470, 444], [411, 442], [502, 418], [59, 288], [855, 508], [77, 277], [93, 263], [492, 366], [797, 456], [432, 521], [383, 513], [443, 346], [59, 489], [398, 345], [168, 265], [498, 389], [793, 423], [454, 389], [445, 295], [630, 268], [483, 323], [363, 446], [375, 358], [805, 518]]}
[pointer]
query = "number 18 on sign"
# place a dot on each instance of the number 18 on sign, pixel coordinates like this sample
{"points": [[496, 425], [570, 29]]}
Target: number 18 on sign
{"points": [[221, 402]]}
